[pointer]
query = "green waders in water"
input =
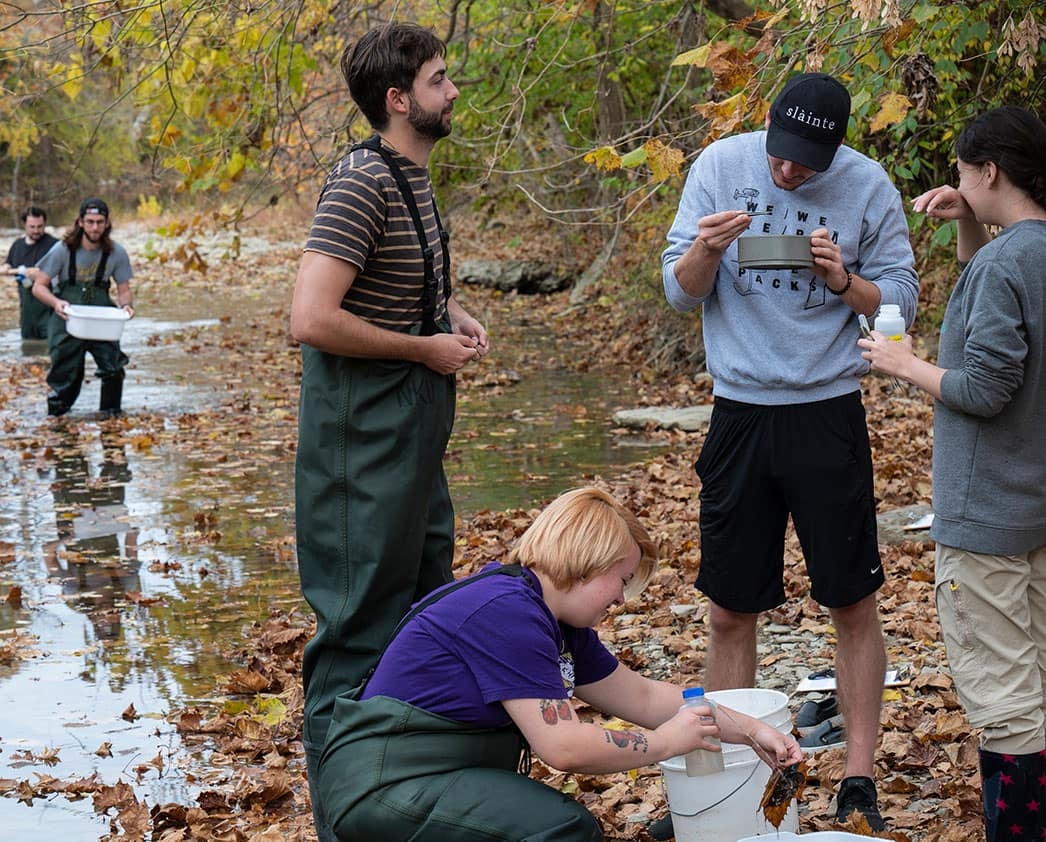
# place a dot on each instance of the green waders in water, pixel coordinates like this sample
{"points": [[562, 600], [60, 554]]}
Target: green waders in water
{"points": [[68, 353], [375, 523], [34, 316], [393, 771]]}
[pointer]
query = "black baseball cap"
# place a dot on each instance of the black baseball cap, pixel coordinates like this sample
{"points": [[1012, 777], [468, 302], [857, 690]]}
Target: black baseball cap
{"points": [[808, 120], [94, 206]]}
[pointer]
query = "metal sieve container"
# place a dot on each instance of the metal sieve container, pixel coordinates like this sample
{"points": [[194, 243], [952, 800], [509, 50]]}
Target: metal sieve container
{"points": [[774, 251]]}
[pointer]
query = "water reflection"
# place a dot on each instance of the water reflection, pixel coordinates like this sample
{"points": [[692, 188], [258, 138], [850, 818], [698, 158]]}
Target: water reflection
{"points": [[95, 556], [548, 432]]}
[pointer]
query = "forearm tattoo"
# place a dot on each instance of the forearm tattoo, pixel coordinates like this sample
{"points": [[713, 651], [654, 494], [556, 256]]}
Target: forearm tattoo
{"points": [[627, 739], [555, 710]]}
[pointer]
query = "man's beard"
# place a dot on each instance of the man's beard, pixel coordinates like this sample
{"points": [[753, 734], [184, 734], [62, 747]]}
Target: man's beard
{"points": [[427, 123]]}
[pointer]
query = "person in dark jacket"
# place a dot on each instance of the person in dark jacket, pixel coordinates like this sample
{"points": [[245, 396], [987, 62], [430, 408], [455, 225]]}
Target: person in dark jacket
{"points": [[25, 252]]}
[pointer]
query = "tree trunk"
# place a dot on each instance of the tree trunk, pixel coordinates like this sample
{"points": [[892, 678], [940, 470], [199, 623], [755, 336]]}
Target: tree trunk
{"points": [[611, 100]]}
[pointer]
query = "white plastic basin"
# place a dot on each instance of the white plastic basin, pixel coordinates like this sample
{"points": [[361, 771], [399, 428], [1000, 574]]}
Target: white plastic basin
{"points": [[91, 322]]}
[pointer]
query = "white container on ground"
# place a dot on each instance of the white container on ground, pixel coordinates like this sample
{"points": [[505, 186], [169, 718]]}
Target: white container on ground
{"points": [[724, 807], [820, 836], [87, 321]]}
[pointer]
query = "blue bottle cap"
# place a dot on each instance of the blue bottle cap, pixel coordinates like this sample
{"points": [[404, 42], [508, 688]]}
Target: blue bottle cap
{"points": [[693, 693]]}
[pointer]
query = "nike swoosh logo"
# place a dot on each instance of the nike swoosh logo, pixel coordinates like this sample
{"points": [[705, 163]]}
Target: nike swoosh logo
{"points": [[875, 570]]}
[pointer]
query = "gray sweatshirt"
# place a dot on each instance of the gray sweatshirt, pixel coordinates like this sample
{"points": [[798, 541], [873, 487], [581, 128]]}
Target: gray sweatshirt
{"points": [[778, 336], [989, 430]]}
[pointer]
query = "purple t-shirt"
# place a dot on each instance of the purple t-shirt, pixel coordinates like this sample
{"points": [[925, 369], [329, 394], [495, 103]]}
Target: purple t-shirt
{"points": [[488, 641]]}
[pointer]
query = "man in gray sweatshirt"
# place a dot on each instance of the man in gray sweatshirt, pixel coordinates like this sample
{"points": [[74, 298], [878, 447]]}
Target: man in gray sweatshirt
{"points": [[788, 434]]}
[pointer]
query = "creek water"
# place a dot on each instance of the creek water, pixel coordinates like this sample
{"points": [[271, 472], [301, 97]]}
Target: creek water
{"points": [[122, 606]]}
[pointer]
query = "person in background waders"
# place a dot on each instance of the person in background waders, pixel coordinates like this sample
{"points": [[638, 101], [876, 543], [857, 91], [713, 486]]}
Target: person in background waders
{"points": [[82, 265], [381, 339], [34, 316]]}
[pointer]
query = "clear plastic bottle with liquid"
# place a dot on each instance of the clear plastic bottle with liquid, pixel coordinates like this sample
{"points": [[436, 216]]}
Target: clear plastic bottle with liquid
{"points": [[890, 322], [699, 761]]}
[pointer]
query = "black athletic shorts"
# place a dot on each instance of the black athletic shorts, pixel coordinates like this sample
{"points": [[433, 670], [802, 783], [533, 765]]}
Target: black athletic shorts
{"points": [[761, 463]]}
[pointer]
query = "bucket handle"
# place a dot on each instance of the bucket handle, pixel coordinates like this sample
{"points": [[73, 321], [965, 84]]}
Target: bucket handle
{"points": [[731, 794]]}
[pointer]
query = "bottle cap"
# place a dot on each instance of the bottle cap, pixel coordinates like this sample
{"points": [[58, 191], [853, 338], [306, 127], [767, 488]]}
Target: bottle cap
{"points": [[694, 693]]}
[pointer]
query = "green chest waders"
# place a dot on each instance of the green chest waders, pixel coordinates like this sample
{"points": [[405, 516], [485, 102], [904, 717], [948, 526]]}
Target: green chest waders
{"points": [[33, 316], [394, 771], [374, 518]]}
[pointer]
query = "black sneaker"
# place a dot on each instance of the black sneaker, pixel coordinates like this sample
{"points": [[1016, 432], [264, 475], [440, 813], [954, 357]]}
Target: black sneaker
{"points": [[858, 793]]}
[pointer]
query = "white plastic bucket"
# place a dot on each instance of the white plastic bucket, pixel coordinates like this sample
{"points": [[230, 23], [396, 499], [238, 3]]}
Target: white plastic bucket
{"points": [[87, 321], [724, 807]]}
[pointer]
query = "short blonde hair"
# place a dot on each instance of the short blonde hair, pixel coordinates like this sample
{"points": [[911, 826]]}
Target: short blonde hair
{"points": [[583, 533]]}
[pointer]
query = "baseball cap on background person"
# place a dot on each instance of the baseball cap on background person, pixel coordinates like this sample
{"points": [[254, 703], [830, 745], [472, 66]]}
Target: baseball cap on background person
{"points": [[808, 120], [94, 206]]}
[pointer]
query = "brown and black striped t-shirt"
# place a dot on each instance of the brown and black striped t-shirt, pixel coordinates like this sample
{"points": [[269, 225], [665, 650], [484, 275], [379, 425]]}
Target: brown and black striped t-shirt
{"points": [[362, 218]]}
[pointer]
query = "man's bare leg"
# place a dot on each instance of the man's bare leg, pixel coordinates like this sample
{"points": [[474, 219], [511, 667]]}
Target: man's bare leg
{"points": [[730, 661], [860, 668]]}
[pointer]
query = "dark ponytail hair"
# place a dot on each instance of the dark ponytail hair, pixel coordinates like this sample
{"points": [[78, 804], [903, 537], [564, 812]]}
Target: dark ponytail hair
{"points": [[1014, 139]]}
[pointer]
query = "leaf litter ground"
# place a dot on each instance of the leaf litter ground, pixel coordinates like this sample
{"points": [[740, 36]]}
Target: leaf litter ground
{"points": [[249, 746]]}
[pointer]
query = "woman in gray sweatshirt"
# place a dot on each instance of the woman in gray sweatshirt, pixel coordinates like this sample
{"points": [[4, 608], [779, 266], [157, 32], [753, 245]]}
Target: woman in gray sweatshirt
{"points": [[989, 462]]}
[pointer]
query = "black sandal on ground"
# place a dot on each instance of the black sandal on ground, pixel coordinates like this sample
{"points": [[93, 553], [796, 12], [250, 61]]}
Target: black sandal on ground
{"points": [[829, 734]]}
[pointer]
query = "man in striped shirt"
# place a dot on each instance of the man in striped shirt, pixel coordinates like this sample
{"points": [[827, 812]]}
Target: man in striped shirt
{"points": [[382, 337]]}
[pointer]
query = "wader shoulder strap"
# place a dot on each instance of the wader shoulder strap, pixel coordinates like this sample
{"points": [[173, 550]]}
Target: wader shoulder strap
{"points": [[99, 273], [428, 299], [436, 596], [503, 570]]}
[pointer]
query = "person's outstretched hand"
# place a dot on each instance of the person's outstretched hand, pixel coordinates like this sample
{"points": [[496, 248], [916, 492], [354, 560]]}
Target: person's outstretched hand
{"points": [[774, 748], [942, 203]]}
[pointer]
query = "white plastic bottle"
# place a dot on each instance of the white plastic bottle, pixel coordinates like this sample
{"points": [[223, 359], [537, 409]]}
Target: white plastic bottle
{"points": [[699, 761], [890, 322]]}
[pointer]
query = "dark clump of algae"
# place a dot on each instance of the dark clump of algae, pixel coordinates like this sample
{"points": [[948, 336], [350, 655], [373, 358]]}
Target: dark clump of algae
{"points": [[136, 572]]}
